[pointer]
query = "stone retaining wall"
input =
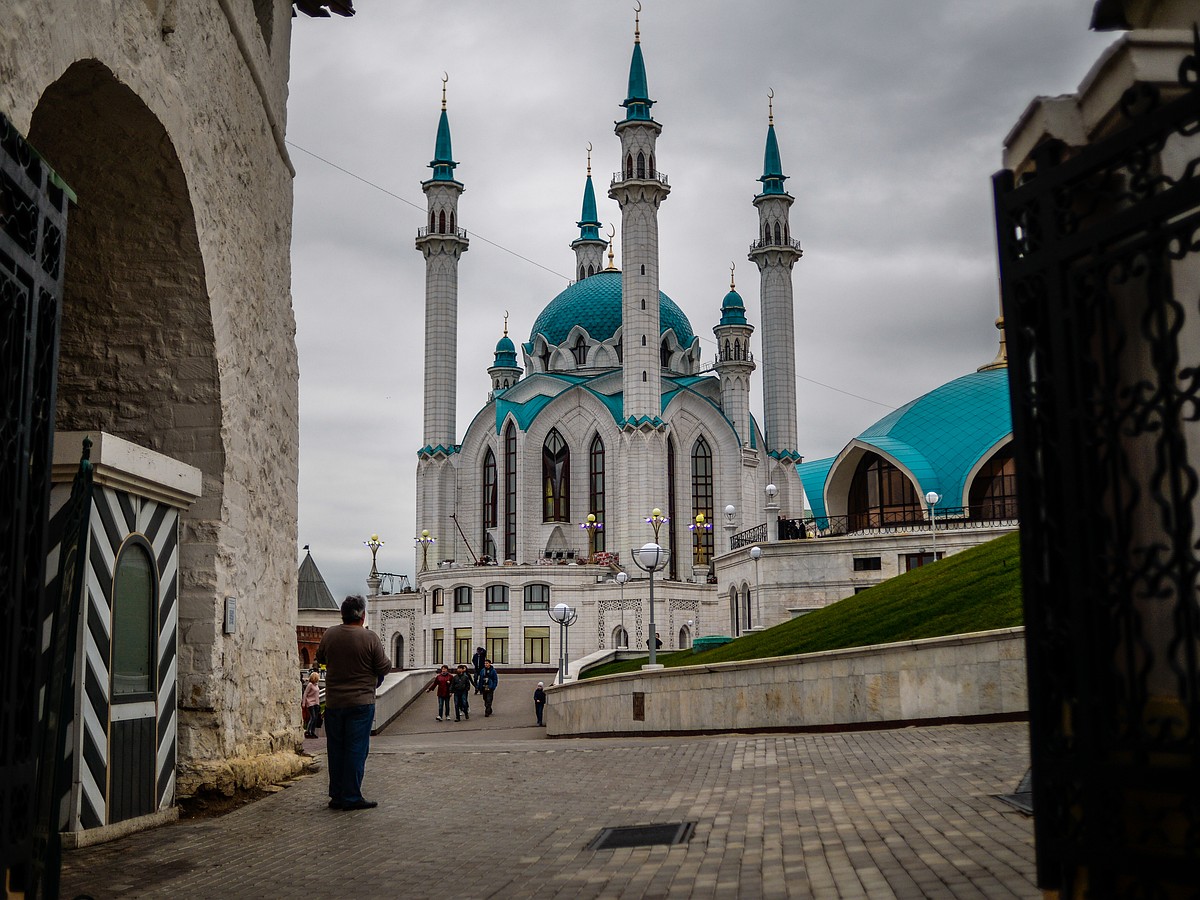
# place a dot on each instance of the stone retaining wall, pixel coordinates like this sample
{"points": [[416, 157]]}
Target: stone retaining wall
{"points": [[959, 677]]}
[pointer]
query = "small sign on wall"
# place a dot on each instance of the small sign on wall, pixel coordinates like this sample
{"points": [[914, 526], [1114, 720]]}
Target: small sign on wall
{"points": [[230, 615], [639, 706]]}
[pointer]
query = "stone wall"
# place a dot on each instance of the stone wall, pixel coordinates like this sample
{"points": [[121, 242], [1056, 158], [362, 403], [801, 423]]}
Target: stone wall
{"points": [[953, 678], [167, 120]]}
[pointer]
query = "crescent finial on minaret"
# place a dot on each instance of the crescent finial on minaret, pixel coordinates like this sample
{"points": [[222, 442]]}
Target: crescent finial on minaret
{"points": [[770, 106], [637, 23], [589, 159], [445, 78], [612, 233], [731, 268], [506, 323]]}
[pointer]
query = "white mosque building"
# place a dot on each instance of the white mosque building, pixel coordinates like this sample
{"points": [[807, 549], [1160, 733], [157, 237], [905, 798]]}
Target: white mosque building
{"points": [[613, 416]]}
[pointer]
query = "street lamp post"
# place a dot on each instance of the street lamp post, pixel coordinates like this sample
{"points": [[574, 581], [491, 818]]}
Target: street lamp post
{"points": [[591, 526], [373, 580], [423, 542], [772, 493], [756, 555], [565, 616], [650, 558], [730, 516], [623, 577], [699, 528], [932, 499]]}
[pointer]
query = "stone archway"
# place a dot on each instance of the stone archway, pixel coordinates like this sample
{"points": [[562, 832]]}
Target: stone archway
{"points": [[138, 356]]}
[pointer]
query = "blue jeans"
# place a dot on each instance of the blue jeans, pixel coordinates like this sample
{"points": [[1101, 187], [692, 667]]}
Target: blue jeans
{"points": [[444, 707], [347, 741], [461, 705]]}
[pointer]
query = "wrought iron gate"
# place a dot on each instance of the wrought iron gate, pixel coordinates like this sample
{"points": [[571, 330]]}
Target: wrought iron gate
{"points": [[1100, 268], [33, 226]]}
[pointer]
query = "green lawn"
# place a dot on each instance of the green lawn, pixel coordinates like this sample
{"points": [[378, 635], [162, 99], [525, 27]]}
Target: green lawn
{"points": [[975, 590]]}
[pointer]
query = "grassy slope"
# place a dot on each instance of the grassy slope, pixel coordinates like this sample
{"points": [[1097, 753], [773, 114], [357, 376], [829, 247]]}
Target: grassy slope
{"points": [[975, 590]]}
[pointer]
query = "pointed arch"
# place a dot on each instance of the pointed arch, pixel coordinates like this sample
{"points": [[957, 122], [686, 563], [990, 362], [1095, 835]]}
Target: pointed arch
{"points": [[556, 478], [882, 496], [629, 165], [641, 164], [702, 500], [672, 509], [580, 351], [664, 355], [510, 491], [442, 222], [489, 512], [596, 487], [432, 221], [453, 223], [778, 234]]}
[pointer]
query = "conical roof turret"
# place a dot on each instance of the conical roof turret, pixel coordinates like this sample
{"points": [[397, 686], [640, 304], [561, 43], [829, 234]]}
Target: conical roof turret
{"points": [[637, 101], [443, 163], [589, 222], [772, 177]]}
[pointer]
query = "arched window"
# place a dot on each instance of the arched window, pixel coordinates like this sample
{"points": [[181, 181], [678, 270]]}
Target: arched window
{"points": [[510, 492], [442, 222], [304, 657], [651, 165], [747, 621], [641, 164], [581, 275], [727, 356], [453, 229], [432, 222], [664, 355], [398, 652], [737, 348], [685, 638], [591, 270], [620, 638], [628, 165], [702, 501], [490, 495], [787, 234], [643, 376], [643, 340], [643, 303], [134, 593], [881, 496], [545, 357], [993, 493], [734, 611], [620, 350], [556, 478], [596, 487], [778, 234], [672, 512], [643, 272], [579, 351]]}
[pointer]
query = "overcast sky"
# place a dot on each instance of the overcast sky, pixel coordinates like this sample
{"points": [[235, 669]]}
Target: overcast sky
{"points": [[890, 117]]}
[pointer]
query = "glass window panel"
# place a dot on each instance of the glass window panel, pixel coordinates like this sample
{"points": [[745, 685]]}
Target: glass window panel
{"points": [[133, 623]]}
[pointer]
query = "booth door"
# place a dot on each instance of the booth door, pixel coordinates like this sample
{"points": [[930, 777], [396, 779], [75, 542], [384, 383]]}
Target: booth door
{"points": [[133, 710]]}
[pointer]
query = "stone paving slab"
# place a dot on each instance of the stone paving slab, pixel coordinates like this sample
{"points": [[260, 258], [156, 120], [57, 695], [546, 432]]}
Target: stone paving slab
{"points": [[491, 808]]}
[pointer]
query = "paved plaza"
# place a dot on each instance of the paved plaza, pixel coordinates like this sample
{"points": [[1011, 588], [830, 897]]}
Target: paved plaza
{"points": [[490, 807]]}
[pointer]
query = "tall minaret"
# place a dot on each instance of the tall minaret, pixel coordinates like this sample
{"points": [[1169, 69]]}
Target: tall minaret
{"points": [[774, 252], [639, 189], [442, 242], [734, 362], [589, 246]]}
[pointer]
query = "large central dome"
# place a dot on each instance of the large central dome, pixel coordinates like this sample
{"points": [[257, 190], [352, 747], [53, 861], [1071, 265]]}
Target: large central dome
{"points": [[594, 304]]}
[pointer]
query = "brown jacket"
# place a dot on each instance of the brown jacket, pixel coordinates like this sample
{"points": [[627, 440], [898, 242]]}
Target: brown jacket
{"points": [[355, 663]]}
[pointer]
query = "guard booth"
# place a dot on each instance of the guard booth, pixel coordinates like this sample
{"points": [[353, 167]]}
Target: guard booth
{"points": [[122, 741]]}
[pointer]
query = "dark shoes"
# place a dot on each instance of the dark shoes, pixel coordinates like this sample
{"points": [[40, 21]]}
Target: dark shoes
{"points": [[357, 804]]}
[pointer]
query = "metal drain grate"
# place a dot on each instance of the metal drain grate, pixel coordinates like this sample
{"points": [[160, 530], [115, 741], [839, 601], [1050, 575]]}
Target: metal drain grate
{"points": [[643, 836]]}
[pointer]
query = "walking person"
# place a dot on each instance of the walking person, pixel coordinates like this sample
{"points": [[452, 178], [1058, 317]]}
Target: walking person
{"points": [[477, 661], [539, 701], [355, 663], [312, 705], [441, 684], [460, 685], [488, 679]]}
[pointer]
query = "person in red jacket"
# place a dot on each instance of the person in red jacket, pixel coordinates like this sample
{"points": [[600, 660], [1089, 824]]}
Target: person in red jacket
{"points": [[441, 684]]}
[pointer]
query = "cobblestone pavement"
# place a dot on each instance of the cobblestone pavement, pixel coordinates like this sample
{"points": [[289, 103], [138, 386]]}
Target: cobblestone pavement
{"points": [[491, 808]]}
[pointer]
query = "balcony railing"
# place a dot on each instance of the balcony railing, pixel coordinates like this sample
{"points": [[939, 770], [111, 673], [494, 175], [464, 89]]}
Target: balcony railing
{"points": [[950, 518], [619, 177], [760, 244], [435, 232], [755, 535]]}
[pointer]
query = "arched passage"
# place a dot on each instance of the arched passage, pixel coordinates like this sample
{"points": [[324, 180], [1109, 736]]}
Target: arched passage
{"points": [[138, 356]]}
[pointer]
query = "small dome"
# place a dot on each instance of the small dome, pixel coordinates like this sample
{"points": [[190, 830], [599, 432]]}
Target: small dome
{"points": [[733, 310], [594, 304], [506, 353]]}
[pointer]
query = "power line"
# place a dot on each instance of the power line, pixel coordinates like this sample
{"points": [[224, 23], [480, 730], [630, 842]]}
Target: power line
{"points": [[405, 200], [478, 236]]}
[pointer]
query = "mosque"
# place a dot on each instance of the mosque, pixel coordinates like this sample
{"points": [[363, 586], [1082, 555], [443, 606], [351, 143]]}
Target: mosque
{"points": [[610, 431]]}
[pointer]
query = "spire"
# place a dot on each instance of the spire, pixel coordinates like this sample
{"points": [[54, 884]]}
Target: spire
{"points": [[772, 176], [443, 164], [589, 224], [733, 309], [612, 236], [637, 104]]}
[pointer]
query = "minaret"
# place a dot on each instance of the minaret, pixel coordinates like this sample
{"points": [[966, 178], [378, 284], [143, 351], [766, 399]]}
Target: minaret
{"points": [[774, 252], [504, 371], [734, 361], [589, 246], [442, 242], [639, 189]]}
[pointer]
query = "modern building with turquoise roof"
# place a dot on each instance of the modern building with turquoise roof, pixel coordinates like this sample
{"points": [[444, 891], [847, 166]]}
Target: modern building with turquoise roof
{"points": [[608, 411]]}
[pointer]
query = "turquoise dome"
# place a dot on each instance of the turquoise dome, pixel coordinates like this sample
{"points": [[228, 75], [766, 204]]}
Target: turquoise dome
{"points": [[733, 310], [506, 352], [939, 437], [594, 304]]}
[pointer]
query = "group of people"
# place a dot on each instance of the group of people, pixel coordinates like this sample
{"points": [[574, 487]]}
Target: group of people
{"points": [[458, 684]]}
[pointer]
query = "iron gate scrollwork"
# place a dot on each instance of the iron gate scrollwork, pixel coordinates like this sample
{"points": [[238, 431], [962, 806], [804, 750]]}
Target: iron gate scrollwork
{"points": [[1100, 269]]}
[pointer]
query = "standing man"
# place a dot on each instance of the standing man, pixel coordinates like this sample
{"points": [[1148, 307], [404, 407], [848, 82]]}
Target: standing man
{"points": [[460, 686], [355, 664], [477, 661], [488, 679]]}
